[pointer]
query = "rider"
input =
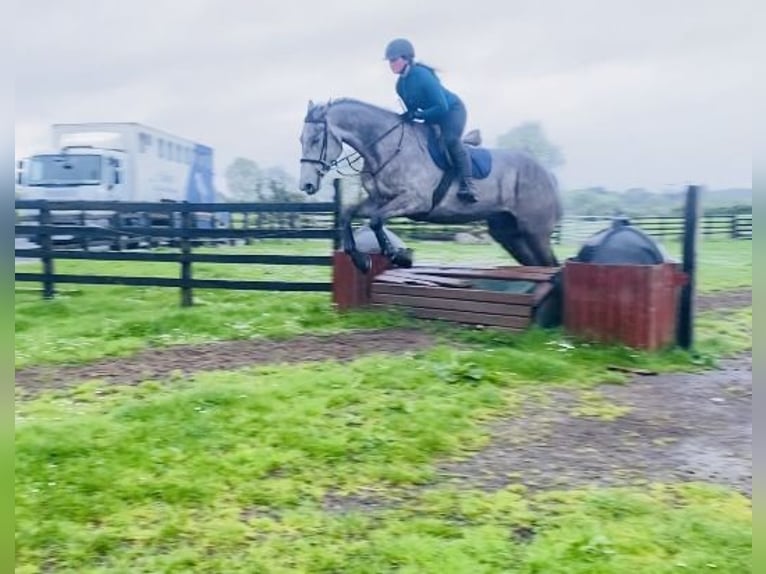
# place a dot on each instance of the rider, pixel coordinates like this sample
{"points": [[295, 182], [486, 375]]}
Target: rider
{"points": [[426, 99]]}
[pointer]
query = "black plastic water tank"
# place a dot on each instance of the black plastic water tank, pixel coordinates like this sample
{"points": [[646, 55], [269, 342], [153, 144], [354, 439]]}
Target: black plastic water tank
{"points": [[621, 244]]}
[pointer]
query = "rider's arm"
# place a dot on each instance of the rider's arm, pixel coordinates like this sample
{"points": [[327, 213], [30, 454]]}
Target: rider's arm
{"points": [[435, 104]]}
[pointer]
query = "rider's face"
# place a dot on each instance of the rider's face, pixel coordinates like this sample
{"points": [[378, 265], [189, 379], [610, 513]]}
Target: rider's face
{"points": [[397, 65]]}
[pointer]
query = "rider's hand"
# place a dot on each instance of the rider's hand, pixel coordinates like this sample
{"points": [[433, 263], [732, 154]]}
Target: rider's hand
{"points": [[407, 116]]}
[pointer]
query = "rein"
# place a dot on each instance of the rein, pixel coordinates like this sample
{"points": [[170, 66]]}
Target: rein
{"points": [[327, 166]]}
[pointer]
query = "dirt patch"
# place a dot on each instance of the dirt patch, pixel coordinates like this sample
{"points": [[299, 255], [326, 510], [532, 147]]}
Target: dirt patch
{"points": [[669, 428], [735, 299], [665, 428], [188, 359]]}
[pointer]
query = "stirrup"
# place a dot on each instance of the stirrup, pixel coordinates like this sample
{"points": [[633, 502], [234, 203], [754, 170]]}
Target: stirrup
{"points": [[466, 194]]}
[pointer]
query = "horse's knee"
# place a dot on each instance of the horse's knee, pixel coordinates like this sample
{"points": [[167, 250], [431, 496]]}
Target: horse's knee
{"points": [[375, 222]]}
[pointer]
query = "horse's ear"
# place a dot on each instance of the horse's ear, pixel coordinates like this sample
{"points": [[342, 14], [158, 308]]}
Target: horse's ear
{"points": [[311, 104]]}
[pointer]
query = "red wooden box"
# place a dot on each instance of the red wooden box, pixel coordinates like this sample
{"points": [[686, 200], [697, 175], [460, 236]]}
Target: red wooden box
{"points": [[636, 305], [350, 287]]}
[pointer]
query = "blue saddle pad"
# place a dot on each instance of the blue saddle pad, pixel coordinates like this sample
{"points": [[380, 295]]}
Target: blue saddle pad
{"points": [[481, 159]]}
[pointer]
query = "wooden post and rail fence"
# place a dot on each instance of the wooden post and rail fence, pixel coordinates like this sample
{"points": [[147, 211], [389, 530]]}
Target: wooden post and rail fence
{"points": [[294, 220], [184, 232]]}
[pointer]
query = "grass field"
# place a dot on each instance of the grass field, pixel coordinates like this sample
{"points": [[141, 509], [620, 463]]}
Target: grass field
{"points": [[87, 322], [237, 471]]}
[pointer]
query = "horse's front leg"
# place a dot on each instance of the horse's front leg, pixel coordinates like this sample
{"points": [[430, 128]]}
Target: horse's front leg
{"points": [[399, 257], [399, 206], [361, 260]]}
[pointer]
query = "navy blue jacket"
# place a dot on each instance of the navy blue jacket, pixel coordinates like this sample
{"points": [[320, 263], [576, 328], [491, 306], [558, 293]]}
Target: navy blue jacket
{"points": [[423, 94]]}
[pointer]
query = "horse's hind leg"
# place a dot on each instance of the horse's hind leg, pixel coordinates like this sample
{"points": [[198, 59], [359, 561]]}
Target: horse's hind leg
{"points": [[504, 229], [540, 246]]}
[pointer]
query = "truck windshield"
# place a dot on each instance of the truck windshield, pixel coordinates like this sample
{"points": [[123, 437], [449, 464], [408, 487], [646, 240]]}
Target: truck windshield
{"points": [[64, 170]]}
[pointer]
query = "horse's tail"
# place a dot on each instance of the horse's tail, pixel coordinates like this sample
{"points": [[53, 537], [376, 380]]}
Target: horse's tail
{"points": [[557, 193], [542, 190]]}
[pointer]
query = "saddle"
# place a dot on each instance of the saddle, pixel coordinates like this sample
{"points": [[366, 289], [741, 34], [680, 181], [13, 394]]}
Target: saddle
{"points": [[481, 160], [472, 138]]}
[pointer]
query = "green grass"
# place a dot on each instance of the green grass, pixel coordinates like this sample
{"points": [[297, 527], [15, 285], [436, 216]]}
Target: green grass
{"points": [[84, 323], [674, 529], [724, 265], [93, 322], [721, 263], [230, 471], [227, 472]]}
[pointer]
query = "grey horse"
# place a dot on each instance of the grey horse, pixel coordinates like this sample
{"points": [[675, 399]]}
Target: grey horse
{"points": [[518, 199]]}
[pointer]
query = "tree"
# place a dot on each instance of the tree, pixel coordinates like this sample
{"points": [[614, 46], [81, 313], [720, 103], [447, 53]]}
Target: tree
{"points": [[530, 138], [277, 174], [279, 192], [244, 180], [248, 182]]}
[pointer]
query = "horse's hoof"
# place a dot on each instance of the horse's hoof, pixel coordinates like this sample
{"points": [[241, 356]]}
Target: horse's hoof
{"points": [[362, 262], [402, 258]]}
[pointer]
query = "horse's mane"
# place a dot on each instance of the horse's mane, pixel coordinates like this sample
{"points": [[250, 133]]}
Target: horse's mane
{"points": [[318, 112]]}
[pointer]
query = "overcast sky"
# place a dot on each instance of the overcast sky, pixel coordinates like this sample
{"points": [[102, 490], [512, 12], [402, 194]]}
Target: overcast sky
{"points": [[647, 93]]}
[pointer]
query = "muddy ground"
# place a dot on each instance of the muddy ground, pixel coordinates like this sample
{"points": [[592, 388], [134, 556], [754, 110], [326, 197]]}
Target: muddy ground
{"points": [[668, 427]]}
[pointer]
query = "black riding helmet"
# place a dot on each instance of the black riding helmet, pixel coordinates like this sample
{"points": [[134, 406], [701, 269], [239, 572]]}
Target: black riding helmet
{"points": [[400, 48]]}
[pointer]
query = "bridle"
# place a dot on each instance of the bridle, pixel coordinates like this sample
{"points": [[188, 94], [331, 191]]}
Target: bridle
{"points": [[356, 155], [322, 159]]}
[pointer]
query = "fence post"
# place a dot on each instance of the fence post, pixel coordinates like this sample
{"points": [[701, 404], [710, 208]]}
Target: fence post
{"points": [[194, 224], [337, 198], [46, 244], [145, 221], [84, 243], [119, 243], [185, 243], [685, 337], [734, 229], [232, 240], [246, 225]]}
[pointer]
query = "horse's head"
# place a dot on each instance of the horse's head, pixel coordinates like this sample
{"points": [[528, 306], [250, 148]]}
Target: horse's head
{"points": [[321, 147]]}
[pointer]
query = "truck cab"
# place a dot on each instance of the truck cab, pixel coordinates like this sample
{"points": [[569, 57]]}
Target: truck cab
{"points": [[85, 165], [118, 162], [74, 173]]}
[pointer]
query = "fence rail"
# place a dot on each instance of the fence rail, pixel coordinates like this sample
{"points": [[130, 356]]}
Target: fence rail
{"points": [[181, 228], [83, 223], [576, 229]]}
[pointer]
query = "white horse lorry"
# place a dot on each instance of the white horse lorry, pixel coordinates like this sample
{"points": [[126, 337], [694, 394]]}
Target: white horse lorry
{"points": [[119, 161]]}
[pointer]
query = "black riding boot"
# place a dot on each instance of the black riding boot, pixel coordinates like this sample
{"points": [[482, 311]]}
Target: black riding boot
{"points": [[462, 164], [467, 191]]}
